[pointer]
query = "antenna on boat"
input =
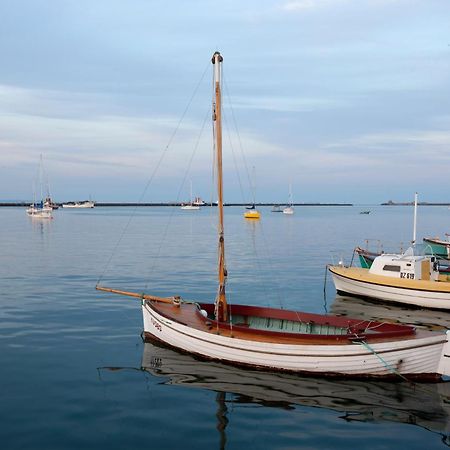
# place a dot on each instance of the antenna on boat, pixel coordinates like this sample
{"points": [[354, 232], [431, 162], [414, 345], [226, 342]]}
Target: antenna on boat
{"points": [[221, 310], [415, 220]]}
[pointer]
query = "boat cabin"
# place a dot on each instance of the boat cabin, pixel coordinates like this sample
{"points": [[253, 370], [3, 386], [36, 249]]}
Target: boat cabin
{"points": [[406, 265]]}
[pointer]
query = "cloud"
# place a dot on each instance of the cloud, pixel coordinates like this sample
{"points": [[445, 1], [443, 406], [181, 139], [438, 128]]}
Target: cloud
{"points": [[300, 5], [304, 5], [286, 104], [434, 141]]}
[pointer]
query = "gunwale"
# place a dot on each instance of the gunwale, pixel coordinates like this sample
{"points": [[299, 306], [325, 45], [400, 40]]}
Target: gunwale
{"points": [[437, 241], [189, 314]]}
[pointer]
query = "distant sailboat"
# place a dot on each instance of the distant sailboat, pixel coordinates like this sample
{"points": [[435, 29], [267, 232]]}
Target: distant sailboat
{"points": [[290, 208], [252, 212], [191, 205], [39, 209]]}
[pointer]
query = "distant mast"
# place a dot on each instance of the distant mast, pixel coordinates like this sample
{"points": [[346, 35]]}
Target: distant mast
{"points": [[415, 220], [221, 310]]}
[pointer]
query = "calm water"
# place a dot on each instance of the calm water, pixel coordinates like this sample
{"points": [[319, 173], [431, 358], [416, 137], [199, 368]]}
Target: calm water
{"points": [[75, 373]]}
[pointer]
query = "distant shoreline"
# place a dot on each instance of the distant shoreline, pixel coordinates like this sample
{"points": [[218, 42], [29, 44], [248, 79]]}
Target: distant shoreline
{"points": [[102, 204], [122, 204], [391, 203]]}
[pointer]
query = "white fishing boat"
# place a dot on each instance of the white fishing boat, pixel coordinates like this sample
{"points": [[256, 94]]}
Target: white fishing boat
{"points": [[40, 209], [282, 340], [411, 278], [82, 204], [407, 278], [290, 207]]}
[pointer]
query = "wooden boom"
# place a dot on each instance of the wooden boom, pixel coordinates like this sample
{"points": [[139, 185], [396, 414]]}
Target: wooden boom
{"points": [[137, 295]]}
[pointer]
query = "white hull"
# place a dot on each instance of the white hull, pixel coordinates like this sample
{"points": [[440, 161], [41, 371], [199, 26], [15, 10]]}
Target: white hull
{"points": [[190, 207], [414, 297], [289, 210], [79, 205], [40, 213], [408, 356]]}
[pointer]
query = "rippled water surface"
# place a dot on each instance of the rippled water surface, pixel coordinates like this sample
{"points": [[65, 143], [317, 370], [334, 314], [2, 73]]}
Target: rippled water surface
{"points": [[75, 373]]}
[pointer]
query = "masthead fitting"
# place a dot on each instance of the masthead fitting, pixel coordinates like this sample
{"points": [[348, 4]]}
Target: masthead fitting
{"points": [[219, 57]]}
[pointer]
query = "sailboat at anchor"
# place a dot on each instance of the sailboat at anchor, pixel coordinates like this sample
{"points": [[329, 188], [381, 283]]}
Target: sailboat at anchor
{"points": [[283, 340], [290, 207], [41, 209], [192, 205]]}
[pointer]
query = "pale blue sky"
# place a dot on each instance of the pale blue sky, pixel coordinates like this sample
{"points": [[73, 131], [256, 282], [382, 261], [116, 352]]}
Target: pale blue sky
{"points": [[349, 100]]}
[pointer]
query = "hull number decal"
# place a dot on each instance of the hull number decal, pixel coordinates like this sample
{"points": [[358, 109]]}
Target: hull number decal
{"points": [[409, 276], [156, 324]]}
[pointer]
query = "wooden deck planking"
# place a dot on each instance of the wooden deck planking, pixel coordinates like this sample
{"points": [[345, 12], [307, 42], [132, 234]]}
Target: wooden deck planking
{"points": [[188, 314]]}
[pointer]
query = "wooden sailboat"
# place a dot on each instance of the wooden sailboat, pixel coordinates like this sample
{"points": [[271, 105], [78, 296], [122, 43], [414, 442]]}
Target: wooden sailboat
{"points": [[283, 340]]}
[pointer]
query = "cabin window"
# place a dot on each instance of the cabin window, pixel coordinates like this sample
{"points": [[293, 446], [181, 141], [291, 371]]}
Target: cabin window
{"points": [[391, 268]]}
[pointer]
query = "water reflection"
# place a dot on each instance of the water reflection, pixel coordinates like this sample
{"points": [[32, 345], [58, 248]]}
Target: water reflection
{"points": [[424, 405], [40, 226], [366, 310]]}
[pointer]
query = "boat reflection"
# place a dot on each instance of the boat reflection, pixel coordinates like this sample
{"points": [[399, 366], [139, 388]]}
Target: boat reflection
{"points": [[424, 405], [366, 310]]}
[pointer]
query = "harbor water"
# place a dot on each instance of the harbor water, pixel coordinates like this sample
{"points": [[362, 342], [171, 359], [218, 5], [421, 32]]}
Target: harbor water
{"points": [[76, 374]]}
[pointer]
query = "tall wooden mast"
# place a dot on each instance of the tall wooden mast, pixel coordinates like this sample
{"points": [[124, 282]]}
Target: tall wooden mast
{"points": [[221, 301]]}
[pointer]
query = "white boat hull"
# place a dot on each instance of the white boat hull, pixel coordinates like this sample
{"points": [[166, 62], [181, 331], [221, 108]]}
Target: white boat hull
{"points": [[79, 205], [413, 297], [409, 356], [40, 213]]}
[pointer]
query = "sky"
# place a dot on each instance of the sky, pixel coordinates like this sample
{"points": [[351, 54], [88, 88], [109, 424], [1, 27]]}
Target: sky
{"points": [[346, 101]]}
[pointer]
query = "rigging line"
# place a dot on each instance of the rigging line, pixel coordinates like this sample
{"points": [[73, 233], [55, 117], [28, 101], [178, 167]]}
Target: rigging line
{"points": [[155, 170], [234, 158], [265, 241], [272, 271], [239, 140], [183, 181]]}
